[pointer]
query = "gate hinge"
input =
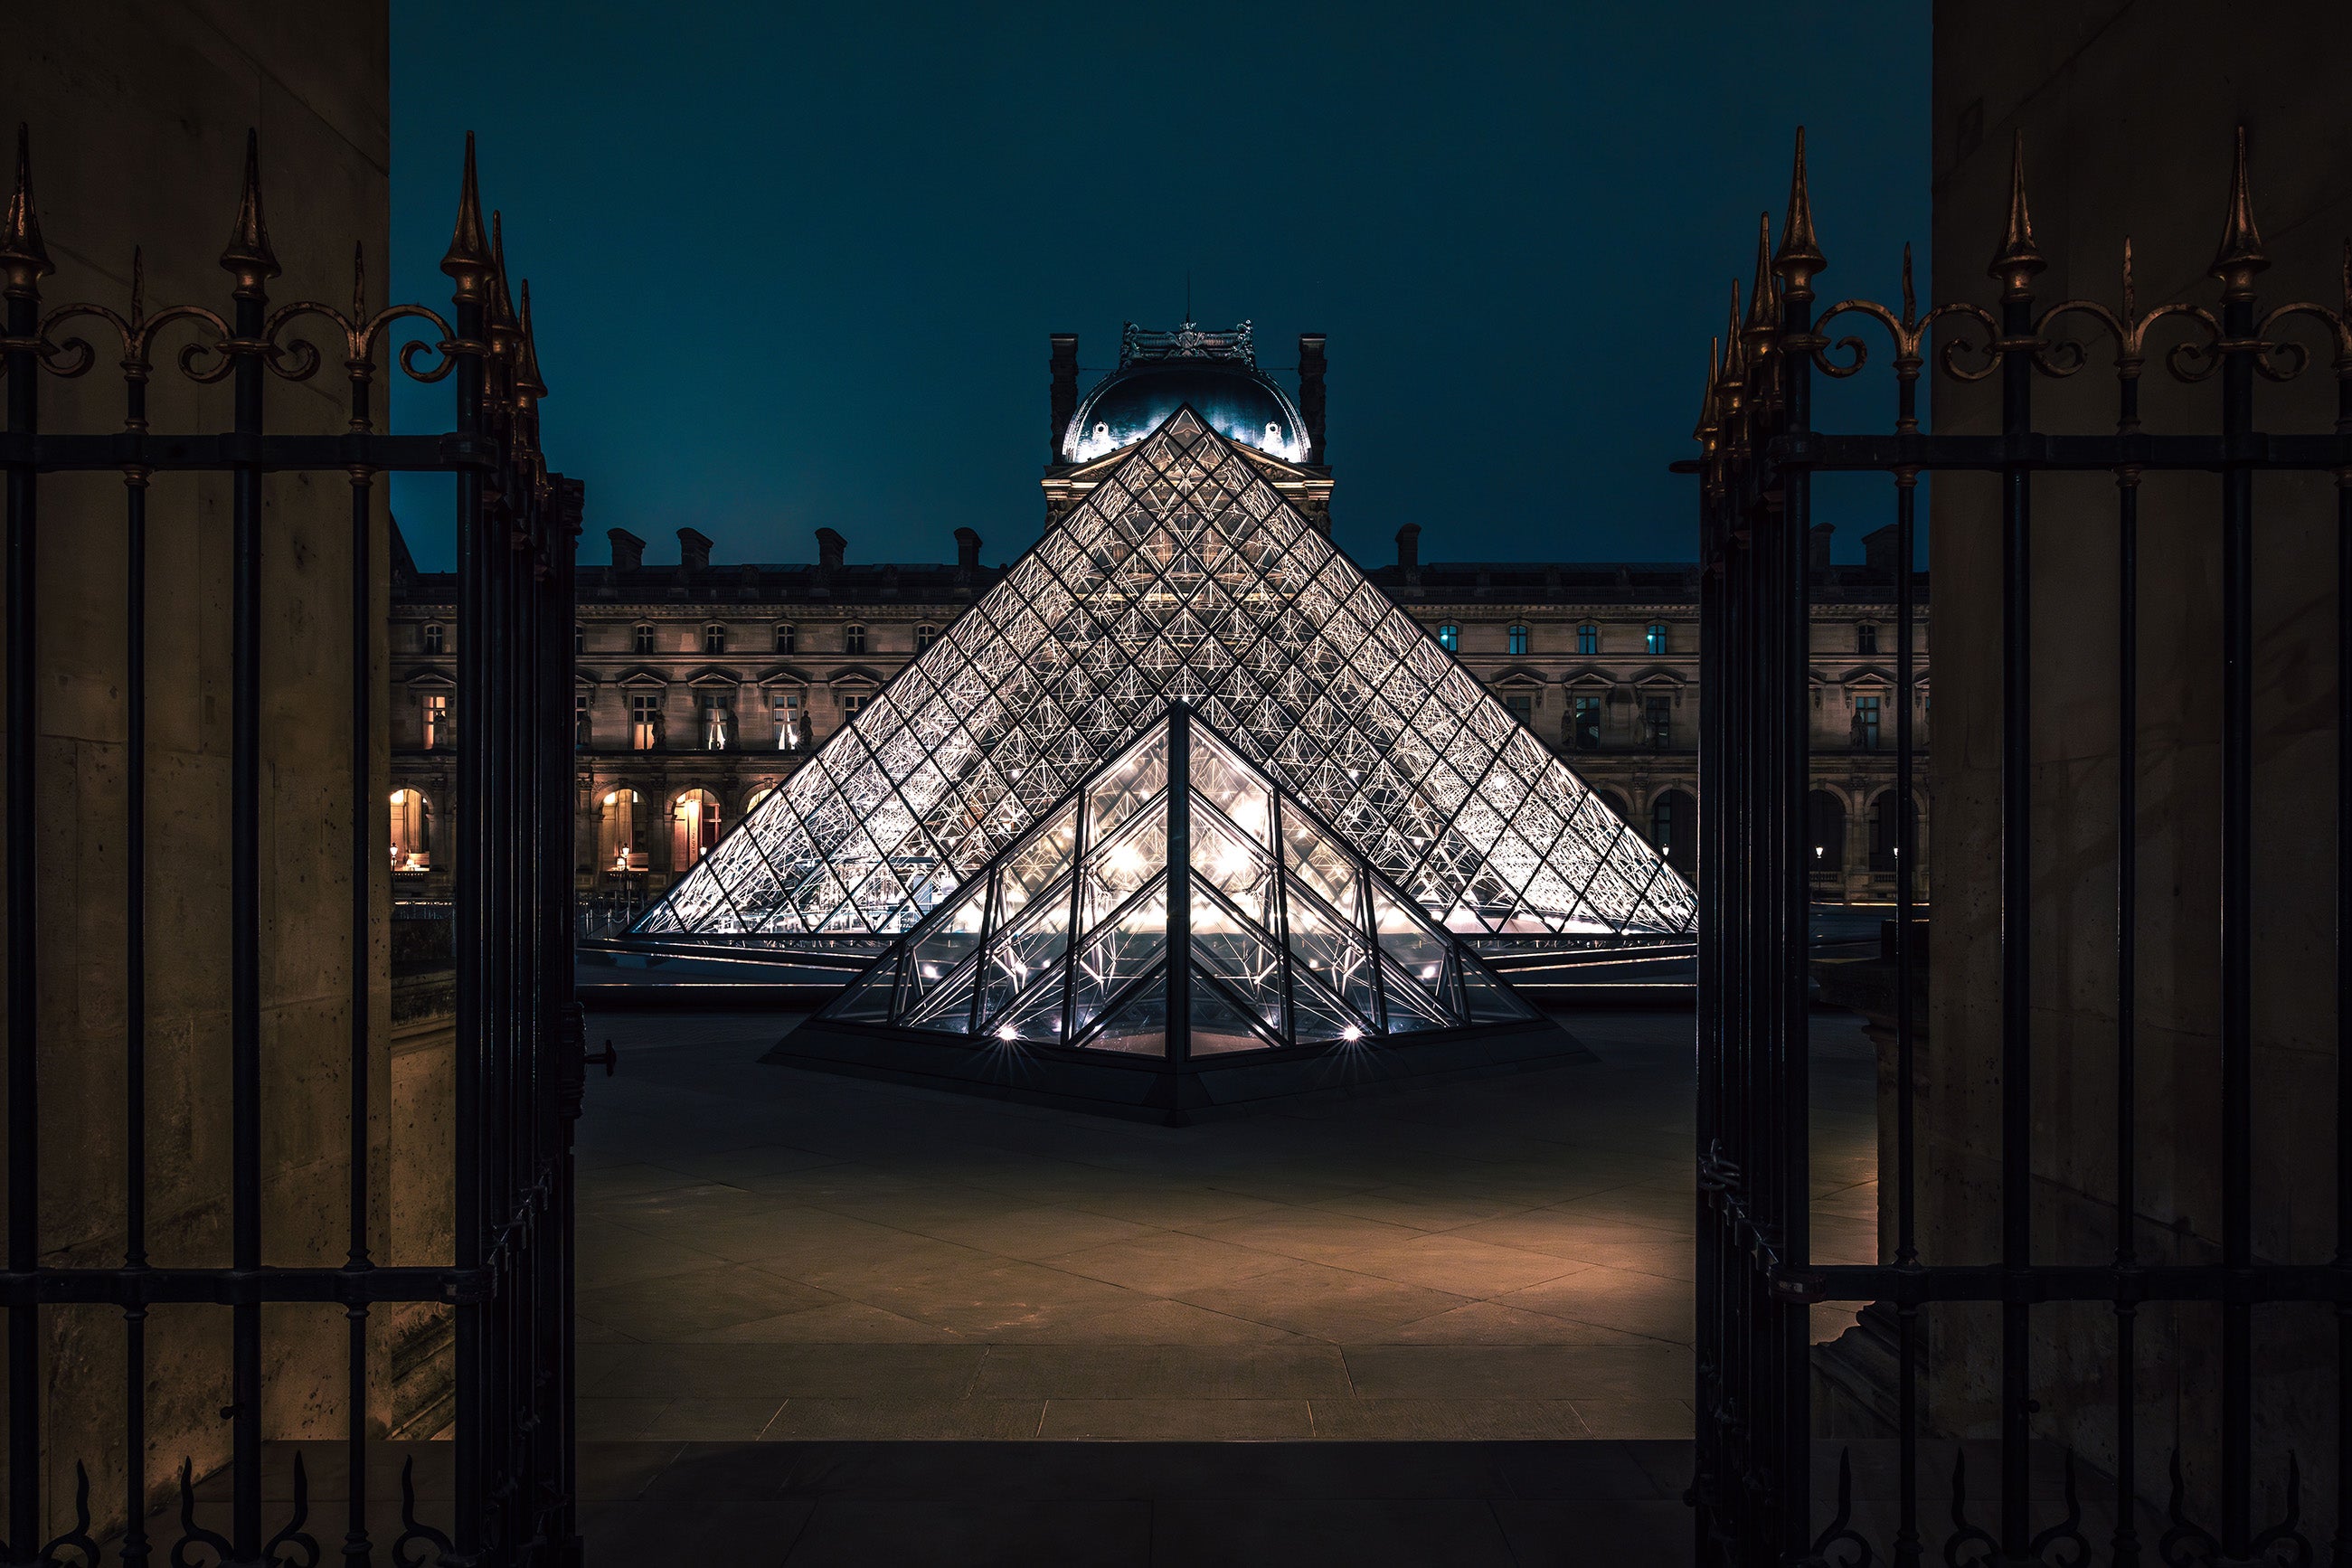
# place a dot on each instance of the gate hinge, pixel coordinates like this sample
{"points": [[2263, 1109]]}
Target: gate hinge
{"points": [[1800, 1287]]}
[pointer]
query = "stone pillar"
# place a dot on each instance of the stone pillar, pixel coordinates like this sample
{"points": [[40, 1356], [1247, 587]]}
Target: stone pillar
{"points": [[1311, 366], [1064, 363]]}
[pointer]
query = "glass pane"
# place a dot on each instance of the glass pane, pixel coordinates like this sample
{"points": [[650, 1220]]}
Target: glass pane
{"points": [[1035, 1018], [1133, 856], [1238, 954], [934, 957], [1038, 862], [1028, 954], [1318, 861], [869, 997], [1219, 1027], [1140, 1026], [1220, 776], [1117, 954], [1414, 1003], [1129, 782], [1237, 869], [947, 1008], [1490, 999], [1317, 1018], [1408, 939], [1332, 954]]}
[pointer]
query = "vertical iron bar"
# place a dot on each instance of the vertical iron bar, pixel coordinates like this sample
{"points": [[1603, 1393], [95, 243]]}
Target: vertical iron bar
{"points": [[2343, 1542], [363, 871], [1715, 801], [1907, 860], [2237, 908], [2127, 1538], [24, 312], [1785, 853], [2016, 917], [133, 1548], [245, 918]]}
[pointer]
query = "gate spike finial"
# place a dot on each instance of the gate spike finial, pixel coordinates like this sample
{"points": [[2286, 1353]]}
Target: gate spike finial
{"points": [[20, 235], [468, 259], [2018, 258], [502, 311], [2240, 255], [247, 256], [1800, 253], [527, 376], [1763, 323], [1735, 360], [1708, 422]]}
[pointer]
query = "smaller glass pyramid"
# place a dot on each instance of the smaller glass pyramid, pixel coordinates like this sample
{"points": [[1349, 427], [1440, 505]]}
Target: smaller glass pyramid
{"points": [[1177, 905]]}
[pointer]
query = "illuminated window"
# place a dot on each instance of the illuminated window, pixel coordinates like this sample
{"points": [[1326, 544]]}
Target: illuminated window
{"points": [[644, 721], [1866, 723], [785, 707], [695, 827], [439, 736], [852, 639], [783, 639], [1518, 636], [1588, 638], [718, 721], [437, 638], [617, 847], [412, 831], [714, 638], [1449, 637], [925, 636], [1657, 636], [644, 638]]}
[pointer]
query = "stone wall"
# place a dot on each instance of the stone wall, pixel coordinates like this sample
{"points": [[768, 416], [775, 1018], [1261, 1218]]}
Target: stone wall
{"points": [[2127, 109], [139, 110]]}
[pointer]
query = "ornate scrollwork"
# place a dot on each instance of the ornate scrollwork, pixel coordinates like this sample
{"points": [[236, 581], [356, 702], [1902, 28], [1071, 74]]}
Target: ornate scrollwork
{"points": [[304, 1548], [1947, 357], [2067, 1531], [2285, 1537], [1840, 1531], [412, 1530], [1966, 1534], [76, 1537], [193, 1534]]}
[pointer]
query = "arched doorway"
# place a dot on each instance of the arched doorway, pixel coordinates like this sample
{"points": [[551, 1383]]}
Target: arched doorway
{"points": [[1673, 830], [412, 831], [619, 844], [1826, 838], [694, 828]]}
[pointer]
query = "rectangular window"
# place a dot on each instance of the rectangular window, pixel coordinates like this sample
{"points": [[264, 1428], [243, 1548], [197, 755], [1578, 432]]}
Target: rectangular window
{"points": [[1658, 722], [645, 639], [1518, 636], [718, 721], [783, 639], [714, 638], [785, 709], [1588, 639], [1449, 637], [925, 636], [1522, 705], [852, 639], [1865, 638], [438, 735], [1657, 636], [644, 721], [579, 638], [852, 704], [1584, 731], [436, 639], [583, 733], [1866, 723]]}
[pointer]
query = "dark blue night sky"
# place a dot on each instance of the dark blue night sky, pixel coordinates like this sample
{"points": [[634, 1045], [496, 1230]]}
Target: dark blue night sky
{"points": [[794, 266]]}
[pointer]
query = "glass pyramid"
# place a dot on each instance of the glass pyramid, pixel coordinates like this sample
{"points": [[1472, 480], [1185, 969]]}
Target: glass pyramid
{"points": [[1182, 577], [1178, 904]]}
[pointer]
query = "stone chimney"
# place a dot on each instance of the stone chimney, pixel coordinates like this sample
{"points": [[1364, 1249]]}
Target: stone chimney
{"points": [[693, 549], [1817, 549], [967, 549], [830, 547], [1882, 549], [628, 550], [1409, 549], [1065, 364], [1311, 366]]}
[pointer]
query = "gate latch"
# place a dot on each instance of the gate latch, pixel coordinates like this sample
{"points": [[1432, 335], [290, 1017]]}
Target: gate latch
{"points": [[607, 1059]]}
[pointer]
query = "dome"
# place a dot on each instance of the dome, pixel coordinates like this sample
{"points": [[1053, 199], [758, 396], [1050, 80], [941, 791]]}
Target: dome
{"points": [[1221, 381]]}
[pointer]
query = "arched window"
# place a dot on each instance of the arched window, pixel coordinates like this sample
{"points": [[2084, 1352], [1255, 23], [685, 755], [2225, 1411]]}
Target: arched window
{"points": [[1588, 638], [1449, 637], [714, 638], [694, 823], [412, 831], [925, 636], [1656, 634], [752, 802], [1518, 636], [1618, 806], [1825, 837], [1674, 829], [783, 639], [618, 845], [644, 636], [437, 638], [852, 639]]}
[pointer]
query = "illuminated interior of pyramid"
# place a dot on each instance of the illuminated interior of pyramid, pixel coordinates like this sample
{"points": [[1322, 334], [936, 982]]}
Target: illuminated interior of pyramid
{"points": [[1182, 577]]}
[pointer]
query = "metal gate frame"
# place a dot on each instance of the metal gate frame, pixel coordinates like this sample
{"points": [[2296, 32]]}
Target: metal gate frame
{"points": [[518, 1058], [1756, 1281]]}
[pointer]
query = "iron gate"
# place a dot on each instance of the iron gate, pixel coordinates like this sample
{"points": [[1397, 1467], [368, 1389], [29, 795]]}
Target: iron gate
{"points": [[518, 1052], [1756, 1493]]}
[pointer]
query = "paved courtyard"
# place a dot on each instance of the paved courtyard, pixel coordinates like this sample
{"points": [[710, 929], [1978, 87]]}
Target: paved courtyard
{"points": [[774, 1255]]}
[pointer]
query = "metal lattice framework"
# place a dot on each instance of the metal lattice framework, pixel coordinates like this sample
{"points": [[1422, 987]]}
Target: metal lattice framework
{"points": [[1184, 577], [1178, 904]]}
